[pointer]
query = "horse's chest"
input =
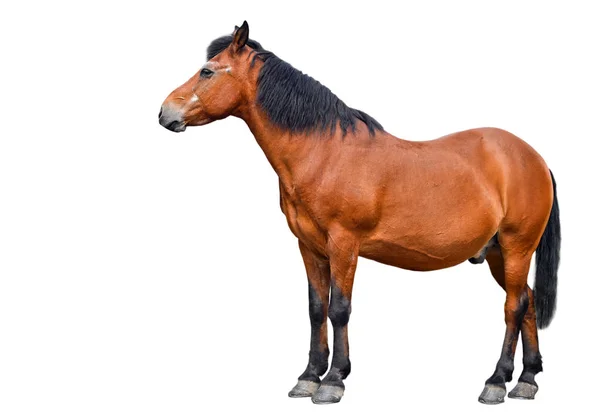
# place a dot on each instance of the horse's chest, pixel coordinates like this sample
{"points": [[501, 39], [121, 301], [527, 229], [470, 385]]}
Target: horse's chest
{"points": [[302, 222]]}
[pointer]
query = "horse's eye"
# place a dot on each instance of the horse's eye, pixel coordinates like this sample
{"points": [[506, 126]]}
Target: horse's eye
{"points": [[206, 73]]}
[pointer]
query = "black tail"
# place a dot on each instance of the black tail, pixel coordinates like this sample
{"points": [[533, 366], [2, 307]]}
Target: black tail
{"points": [[547, 257]]}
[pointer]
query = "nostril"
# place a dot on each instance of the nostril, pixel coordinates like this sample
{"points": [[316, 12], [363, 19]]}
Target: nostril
{"points": [[171, 118]]}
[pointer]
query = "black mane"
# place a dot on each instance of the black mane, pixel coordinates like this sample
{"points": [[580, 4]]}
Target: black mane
{"points": [[295, 101]]}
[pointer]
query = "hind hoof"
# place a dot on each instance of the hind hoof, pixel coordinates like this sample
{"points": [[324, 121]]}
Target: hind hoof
{"points": [[328, 394], [493, 394], [304, 389], [523, 391]]}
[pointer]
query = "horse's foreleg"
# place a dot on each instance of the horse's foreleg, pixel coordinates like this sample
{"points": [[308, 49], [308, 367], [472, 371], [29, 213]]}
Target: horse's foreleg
{"points": [[342, 250], [516, 268], [317, 270]]}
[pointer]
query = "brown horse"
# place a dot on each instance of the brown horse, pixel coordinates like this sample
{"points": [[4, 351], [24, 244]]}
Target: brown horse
{"points": [[350, 189]]}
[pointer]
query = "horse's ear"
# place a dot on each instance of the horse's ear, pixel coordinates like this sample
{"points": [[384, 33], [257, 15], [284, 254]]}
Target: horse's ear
{"points": [[240, 36]]}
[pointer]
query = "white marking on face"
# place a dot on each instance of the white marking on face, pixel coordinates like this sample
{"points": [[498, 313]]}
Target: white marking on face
{"points": [[194, 98], [214, 66]]}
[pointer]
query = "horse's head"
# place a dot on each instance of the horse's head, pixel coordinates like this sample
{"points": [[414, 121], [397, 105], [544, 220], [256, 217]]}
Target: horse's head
{"points": [[216, 91]]}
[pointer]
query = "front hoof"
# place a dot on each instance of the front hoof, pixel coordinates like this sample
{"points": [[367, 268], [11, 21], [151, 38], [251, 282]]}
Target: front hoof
{"points": [[523, 391], [304, 389], [328, 394], [493, 394]]}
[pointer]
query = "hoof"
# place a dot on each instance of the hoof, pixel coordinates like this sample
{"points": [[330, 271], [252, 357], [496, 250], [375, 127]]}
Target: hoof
{"points": [[493, 394], [523, 391], [304, 389], [328, 394]]}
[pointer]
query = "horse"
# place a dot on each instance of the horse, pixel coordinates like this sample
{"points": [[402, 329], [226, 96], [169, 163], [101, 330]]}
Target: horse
{"points": [[350, 189]]}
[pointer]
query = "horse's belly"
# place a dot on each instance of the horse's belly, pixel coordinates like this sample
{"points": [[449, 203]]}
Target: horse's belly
{"points": [[426, 253], [434, 226]]}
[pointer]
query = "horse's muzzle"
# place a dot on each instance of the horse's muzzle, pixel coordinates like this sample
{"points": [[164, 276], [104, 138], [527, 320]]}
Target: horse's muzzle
{"points": [[171, 119]]}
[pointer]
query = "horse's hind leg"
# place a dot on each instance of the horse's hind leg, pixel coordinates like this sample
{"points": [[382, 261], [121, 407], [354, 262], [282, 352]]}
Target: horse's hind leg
{"points": [[516, 266], [317, 270], [526, 388], [532, 360]]}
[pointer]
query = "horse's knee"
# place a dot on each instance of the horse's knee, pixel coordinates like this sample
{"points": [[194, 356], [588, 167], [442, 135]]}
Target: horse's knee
{"points": [[339, 308], [316, 309]]}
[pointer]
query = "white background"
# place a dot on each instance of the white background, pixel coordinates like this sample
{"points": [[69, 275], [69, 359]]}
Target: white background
{"points": [[148, 273]]}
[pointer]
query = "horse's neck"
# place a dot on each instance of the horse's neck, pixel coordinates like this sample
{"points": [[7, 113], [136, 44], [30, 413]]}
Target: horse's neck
{"points": [[285, 152]]}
